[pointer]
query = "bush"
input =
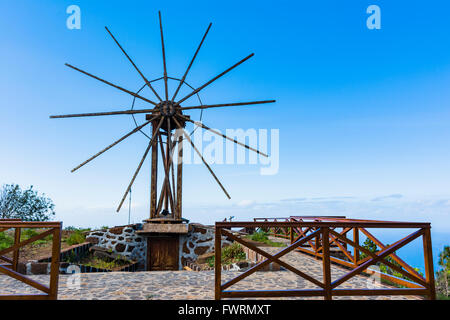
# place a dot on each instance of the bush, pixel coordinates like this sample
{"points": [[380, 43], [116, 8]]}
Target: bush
{"points": [[230, 254], [233, 253], [5, 241], [259, 236], [76, 237], [262, 236]]}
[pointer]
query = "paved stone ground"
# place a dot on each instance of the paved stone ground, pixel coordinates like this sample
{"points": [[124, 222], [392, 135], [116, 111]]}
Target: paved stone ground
{"points": [[189, 284]]}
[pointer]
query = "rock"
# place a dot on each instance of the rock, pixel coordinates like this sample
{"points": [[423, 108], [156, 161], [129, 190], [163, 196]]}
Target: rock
{"points": [[185, 248], [97, 248], [99, 234], [93, 240], [200, 250], [120, 247], [204, 257], [103, 255], [39, 268], [242, 264], [116, 230]]}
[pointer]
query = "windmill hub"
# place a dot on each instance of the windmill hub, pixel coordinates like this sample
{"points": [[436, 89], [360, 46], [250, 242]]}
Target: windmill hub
{"points": [[167, 108]]}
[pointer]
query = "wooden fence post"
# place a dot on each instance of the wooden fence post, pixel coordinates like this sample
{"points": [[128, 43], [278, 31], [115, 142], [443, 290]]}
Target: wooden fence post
{"points": [[218, 263], [429, 270], [291, 235], [54, 267], [326, 262], [16, 252], [316, 245], [356, 250]]}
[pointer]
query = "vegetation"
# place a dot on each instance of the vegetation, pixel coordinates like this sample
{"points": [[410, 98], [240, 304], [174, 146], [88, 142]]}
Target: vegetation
{"points": [[100, 263], [443, 275], [372, 247], [96, 262], [27, 205], [76, 237], [263, 237], [29, 233], [230, 254], [72, 237], [6, 241]]}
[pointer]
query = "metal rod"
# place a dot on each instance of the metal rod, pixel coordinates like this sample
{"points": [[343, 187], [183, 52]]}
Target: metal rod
{"points": [[140, 165], [129, 208], [204, 162], [112, 145], [224, 136], [108, 113], [227, 105], [134, 65], [215, 78], [112, 85], [190, 64]]}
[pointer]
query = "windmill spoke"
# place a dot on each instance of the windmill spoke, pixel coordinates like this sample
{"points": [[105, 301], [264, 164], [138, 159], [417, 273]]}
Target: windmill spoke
{"points": [[215, 78], [140, 164], [112, 85], [224, 136], [109, 113], [112, 145], [164, 57], [200, 155], [134, 65], [190, 64], [227, 105]]}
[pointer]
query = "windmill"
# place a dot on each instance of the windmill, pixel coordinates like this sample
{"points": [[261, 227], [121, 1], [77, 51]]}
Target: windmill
{"points": [[168, 119]]}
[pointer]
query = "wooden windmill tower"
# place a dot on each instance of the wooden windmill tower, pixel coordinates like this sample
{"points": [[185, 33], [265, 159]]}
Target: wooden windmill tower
{"points": [[167, 116]]}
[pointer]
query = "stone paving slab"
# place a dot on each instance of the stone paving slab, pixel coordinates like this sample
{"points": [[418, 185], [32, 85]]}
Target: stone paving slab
{"points": [[168, 285]]}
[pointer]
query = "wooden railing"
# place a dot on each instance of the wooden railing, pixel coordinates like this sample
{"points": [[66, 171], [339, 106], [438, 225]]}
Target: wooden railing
{"points": [[9, 265], [320, 236]]}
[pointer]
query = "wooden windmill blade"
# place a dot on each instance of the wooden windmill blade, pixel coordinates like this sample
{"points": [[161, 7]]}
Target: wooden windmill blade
{"points": [[168, 120]]}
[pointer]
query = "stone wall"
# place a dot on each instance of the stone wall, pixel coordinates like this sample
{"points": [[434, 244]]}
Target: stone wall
{"points": [[126, 242], [198, 241], [121, 240]]}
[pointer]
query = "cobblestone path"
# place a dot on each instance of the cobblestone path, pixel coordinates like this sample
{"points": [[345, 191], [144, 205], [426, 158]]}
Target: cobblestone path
{"points": [[188, 284]]}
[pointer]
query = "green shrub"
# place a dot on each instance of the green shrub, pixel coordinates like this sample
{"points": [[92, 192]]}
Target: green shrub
{"points": [[230, 254], [260, 236], [5, 241], [76, 237], [109, 264], [263, 237], [233, 253], [29, 233]]}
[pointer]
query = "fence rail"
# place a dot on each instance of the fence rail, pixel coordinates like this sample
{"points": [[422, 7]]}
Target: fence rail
{"points": [[9, 265], [324, 237]]}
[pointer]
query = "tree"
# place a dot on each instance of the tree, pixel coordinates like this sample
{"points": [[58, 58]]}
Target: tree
{"points": [[443, 275], [27, 205]]}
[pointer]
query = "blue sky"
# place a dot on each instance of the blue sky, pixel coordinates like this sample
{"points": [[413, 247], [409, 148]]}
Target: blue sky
{"points": [[363, 114]]}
